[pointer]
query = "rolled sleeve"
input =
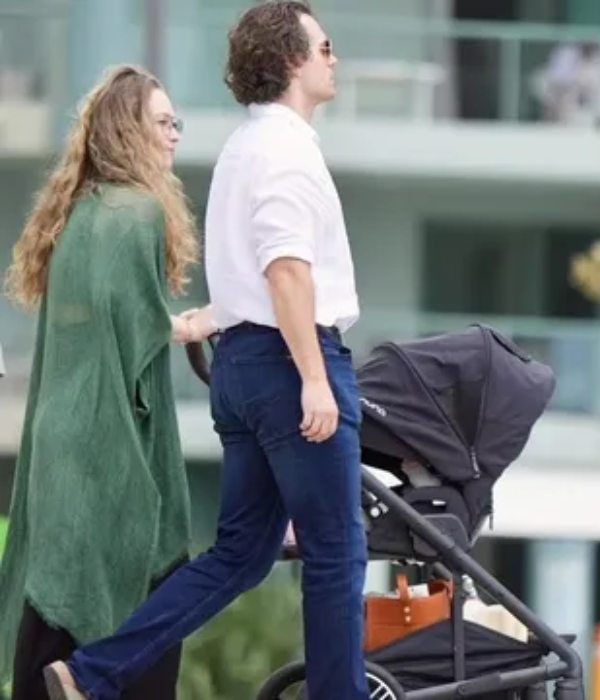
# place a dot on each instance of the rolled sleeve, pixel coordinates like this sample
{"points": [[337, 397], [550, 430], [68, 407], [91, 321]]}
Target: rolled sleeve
{"points": [[286, 215]]}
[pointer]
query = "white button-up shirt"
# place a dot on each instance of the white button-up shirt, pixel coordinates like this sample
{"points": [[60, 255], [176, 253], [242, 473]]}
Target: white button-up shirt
{"points": [[271, 197]]}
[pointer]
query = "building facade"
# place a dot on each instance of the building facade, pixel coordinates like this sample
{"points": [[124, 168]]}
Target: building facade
{"points": [[463, 204]]}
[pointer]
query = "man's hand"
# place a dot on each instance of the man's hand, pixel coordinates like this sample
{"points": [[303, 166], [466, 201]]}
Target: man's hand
{"points": [[293, 295], [320, 411], [200, 324]]}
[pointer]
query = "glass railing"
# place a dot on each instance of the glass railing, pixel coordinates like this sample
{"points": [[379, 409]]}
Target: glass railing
{"points": [[33, 69], [393, 66], [390, 65], [570, 347], [454, 69]]}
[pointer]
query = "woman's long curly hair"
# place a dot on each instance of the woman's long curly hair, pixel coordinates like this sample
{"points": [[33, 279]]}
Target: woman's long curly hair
{"points": [[114, 140]]}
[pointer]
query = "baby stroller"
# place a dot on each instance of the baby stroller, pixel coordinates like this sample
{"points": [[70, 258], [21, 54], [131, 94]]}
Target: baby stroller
{"points": [[461, 406]]}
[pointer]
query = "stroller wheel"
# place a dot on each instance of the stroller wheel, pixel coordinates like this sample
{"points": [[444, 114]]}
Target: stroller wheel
{"points": [[289, 683]]}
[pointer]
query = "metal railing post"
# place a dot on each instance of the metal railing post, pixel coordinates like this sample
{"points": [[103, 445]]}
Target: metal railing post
{"points": [[510, 79], [155, 35], [57, 82]]}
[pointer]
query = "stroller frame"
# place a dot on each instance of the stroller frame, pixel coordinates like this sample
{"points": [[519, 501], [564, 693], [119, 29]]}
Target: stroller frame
{"points": [[567, 671]]}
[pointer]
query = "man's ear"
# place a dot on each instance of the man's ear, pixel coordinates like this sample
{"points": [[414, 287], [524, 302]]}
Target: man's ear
{"points": [[294, 67]]}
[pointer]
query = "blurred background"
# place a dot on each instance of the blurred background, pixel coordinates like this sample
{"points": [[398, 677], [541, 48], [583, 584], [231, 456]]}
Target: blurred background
{"points": [[465, 145]]}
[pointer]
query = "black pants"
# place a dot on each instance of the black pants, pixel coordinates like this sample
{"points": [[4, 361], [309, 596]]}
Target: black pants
{"points": [[38, 644]]}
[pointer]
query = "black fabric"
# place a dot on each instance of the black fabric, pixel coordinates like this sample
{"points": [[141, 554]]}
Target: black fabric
{"points": [[383, 449], [407, 389], [462, 402], [333, 331], [38, 644], [426, 658], [517, 392], [447, 394]]}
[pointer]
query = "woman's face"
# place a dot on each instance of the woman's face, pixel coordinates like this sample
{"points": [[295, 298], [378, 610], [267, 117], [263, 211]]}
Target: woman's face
{"points": [[168, 126]]}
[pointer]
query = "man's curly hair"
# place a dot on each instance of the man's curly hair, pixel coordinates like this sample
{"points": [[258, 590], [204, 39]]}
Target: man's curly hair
{"points": [[264, 46]]}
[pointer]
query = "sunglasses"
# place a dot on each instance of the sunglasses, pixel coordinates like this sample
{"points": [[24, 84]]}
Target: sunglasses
{"points": [[326, 48]]}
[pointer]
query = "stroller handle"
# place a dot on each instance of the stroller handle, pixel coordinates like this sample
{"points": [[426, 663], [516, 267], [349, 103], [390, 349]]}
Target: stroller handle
{"points": [[197, 358]]}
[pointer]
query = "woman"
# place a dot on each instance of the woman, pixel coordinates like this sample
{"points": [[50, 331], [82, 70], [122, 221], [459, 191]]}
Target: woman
{"points": [[99, 512]]}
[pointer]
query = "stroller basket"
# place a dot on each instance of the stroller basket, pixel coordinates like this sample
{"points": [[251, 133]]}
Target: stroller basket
{"points": [[426, 658], [467, 659]]}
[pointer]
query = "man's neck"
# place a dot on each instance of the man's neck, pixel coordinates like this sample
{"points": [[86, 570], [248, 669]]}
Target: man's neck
{"points": [[299, 104]]}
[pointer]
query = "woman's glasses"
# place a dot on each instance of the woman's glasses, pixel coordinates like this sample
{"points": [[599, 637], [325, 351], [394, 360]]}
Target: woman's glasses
{"points": [[168, 123]]}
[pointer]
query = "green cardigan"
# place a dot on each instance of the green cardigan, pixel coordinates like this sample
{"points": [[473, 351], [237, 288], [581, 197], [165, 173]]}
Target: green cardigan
{"points": [[100, 503]]}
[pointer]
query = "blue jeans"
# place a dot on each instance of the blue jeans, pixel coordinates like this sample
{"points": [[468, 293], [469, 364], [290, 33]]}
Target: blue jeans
{"points": [[270, 474]]}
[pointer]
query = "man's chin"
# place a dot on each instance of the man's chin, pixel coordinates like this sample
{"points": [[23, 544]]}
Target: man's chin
{"points": [[330, 94]]}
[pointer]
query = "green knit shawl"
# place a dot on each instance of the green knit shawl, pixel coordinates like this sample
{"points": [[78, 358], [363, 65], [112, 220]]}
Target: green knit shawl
{"points": [[100, 501]]}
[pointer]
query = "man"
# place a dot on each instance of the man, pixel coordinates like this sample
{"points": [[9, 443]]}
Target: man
{"points": [[283, 392]]}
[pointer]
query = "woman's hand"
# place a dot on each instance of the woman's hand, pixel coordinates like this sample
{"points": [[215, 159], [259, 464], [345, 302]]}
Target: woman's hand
{"points": [[180, 330], [200, 324]]}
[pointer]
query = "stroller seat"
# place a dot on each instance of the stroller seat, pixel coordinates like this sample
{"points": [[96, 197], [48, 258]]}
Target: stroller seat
{"points": [[388, 535], [461, 404]]}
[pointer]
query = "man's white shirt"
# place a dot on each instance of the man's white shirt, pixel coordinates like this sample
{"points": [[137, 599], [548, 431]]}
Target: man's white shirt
{"points": [[271, 197]]}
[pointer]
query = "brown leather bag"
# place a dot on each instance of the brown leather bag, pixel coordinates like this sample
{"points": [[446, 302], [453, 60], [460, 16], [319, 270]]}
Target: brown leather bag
{"points": [[390, 618]]}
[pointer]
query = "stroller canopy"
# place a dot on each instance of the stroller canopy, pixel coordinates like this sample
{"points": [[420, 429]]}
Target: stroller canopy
{"points": [[463, 402]]}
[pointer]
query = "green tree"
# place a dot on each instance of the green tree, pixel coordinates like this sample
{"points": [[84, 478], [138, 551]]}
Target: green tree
{"points": [[3, 532]]}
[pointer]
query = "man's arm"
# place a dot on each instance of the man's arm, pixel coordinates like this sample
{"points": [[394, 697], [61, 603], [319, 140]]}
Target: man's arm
{"points": [[292, 293]]}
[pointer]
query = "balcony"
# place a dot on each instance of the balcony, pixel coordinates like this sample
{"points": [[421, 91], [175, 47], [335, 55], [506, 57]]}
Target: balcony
{"points": [[561, 453], [402, 111], [393, 71], [33, 74], [570, 347]]}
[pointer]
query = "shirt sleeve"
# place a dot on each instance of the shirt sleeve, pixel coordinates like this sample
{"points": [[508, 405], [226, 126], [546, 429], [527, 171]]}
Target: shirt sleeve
{"points": [[287, 213]]}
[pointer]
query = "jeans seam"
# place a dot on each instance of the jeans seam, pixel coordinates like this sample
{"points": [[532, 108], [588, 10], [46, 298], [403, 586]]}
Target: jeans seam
{"points": [[349, 559], [167, 632]]}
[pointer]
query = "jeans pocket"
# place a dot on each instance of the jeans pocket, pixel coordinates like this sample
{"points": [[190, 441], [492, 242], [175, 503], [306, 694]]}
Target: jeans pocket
{"points": [[276, 419], [271, 392]]}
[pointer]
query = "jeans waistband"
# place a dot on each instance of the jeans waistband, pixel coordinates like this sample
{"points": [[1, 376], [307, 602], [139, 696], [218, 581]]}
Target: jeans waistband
{"points": [[332, 331]]}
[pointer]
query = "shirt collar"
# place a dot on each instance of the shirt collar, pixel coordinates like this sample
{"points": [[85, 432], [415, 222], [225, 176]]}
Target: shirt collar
{"points": [[276, 109]]}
